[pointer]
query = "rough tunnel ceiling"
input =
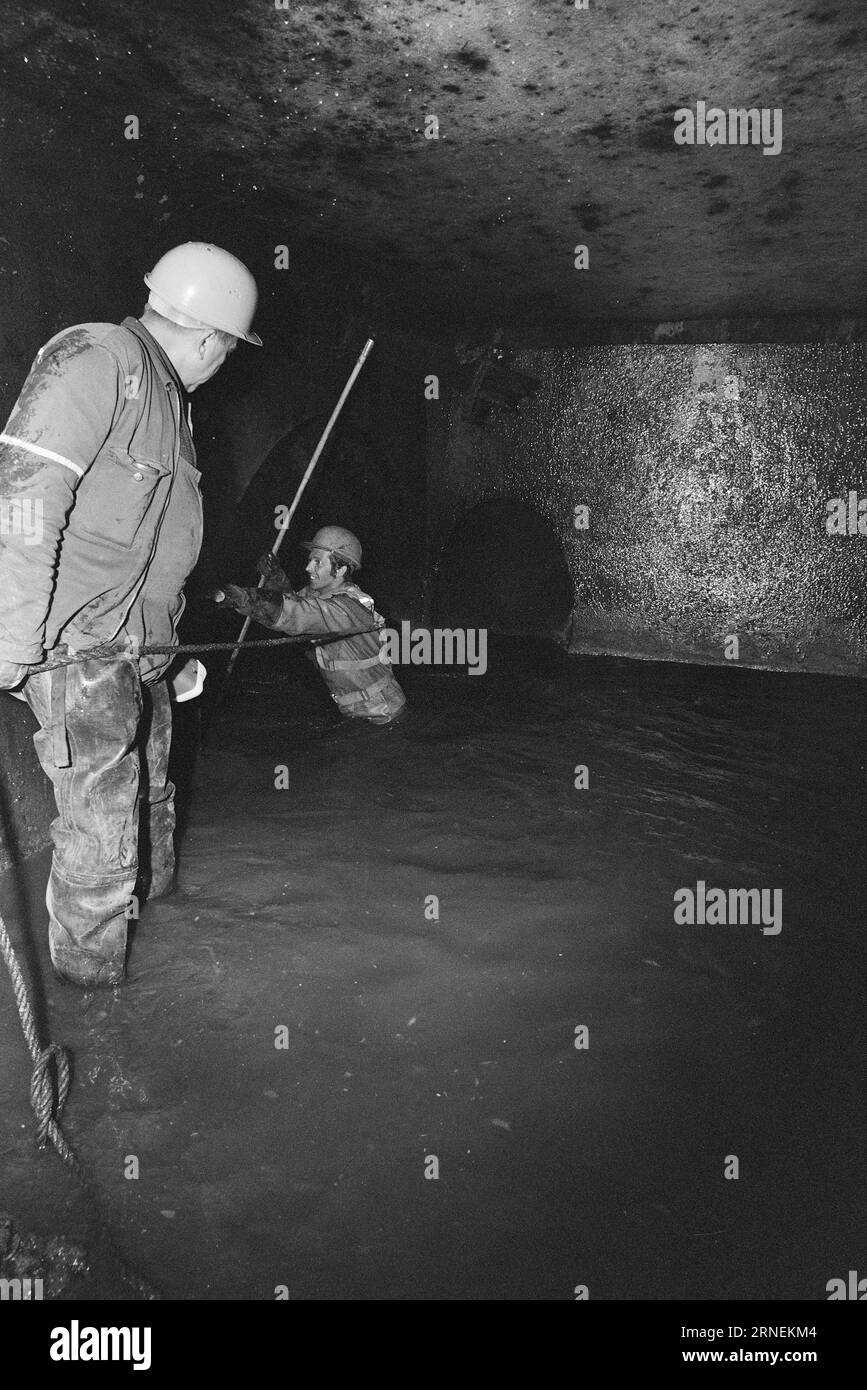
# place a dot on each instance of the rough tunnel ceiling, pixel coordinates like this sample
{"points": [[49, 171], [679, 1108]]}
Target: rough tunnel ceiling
{"points": [[556, 127]]}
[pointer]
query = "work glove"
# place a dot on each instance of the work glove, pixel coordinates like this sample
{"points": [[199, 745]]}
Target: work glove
{"points": [[275, 578], [232, 596], [254, 603], [12, 673]]}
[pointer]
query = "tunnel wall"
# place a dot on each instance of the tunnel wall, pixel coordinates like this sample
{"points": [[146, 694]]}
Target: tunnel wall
{"points": [[706, 470]]}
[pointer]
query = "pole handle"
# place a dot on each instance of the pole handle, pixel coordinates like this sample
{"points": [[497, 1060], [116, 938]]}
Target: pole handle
{"points": [[362, 358]]}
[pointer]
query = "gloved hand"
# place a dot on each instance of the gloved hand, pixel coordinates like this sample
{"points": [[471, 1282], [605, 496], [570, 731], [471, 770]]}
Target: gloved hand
{"points": [[254, 603], [12, 673], [271, 572], [232, 596]]}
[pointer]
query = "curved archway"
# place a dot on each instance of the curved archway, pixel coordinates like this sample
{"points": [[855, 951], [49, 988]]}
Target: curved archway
{"points": [[502, 568], [354, 485]]}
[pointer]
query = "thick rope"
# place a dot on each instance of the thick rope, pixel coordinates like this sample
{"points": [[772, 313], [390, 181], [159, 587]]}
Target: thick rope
{"points": [[107, 652], [49, 1087]]}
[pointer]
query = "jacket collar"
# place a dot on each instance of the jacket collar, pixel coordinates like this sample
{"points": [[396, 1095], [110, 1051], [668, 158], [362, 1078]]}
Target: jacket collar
{"points": [[157, 352]]}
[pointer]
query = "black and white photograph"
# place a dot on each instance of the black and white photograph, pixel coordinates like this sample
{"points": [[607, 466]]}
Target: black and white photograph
{"points": [[433, 641]]}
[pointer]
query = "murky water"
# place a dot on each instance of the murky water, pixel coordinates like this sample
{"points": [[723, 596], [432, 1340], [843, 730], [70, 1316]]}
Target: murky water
{"points": [[413, 1030]]}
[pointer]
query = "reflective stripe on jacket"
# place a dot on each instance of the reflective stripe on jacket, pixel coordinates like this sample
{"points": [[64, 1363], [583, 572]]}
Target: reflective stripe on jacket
{"points": [[379, 698], [359, 681], [94, 442]]}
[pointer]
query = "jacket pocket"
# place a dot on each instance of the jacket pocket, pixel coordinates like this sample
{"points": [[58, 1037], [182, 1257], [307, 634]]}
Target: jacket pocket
{"points": [[120, 490]]}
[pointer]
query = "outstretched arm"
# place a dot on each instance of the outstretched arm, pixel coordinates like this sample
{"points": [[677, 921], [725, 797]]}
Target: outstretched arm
{"points": [[259, 604], [293, 613]]}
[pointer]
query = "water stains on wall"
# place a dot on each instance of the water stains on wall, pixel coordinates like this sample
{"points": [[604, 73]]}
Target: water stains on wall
{"points": [[706, 472]]}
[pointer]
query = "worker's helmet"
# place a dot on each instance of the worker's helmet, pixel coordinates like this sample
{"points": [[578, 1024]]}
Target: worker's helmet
{"points": [[339, 542], [199, 285]]}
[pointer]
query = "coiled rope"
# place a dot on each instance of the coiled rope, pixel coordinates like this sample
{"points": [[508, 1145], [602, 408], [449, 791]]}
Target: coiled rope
{"points": [[49, 1087]]}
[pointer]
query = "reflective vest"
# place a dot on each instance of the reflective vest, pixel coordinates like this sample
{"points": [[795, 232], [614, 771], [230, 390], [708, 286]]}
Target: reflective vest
{"points": [[361, 687]]}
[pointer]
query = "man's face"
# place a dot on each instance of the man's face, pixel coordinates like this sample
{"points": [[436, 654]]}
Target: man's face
{"points": [[205, 358], [319, 570]]}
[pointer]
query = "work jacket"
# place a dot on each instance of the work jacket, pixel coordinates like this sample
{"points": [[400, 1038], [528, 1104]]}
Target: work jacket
{"points": [[359, 680], [98, 449]]}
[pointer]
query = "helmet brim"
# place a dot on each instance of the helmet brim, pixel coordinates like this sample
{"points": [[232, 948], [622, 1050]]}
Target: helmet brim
{"points": [[168, 310], [329, 550]]}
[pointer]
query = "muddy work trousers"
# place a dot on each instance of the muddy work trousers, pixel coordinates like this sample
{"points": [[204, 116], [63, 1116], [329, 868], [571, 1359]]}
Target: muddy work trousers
{"points": [[104, 741]]}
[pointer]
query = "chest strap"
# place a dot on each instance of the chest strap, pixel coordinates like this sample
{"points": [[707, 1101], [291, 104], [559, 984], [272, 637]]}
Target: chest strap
{"points": [[358, 665], [352, 697]]}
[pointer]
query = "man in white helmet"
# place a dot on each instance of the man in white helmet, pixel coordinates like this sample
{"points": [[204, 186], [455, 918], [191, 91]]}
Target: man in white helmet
{"points": [[99, 448], [358, 676]]}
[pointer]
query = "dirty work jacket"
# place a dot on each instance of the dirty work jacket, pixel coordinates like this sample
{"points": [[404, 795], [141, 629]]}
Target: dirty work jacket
{"points": [[97, 450], [360, 682]]}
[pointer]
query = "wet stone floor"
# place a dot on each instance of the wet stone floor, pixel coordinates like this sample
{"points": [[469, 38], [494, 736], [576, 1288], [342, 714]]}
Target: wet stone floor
{"points": [[421, 918]]}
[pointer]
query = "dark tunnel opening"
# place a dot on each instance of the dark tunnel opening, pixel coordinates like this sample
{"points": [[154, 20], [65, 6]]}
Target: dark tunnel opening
{"points": [[502, 568], [352, 486]]}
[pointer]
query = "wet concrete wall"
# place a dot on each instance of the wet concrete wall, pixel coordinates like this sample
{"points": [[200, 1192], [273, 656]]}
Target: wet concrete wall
{"points": [[705, 471]]}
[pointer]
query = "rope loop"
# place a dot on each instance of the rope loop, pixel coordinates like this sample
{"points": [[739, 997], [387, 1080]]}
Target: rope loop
{"points": [[47, 1101], [49, 1087]]}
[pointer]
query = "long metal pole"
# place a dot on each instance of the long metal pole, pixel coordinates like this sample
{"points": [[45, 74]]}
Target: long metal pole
{"points": [[302, 485]]}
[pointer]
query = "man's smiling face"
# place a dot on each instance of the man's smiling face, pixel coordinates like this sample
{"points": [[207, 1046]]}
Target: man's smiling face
{"points": [[318, 567]]}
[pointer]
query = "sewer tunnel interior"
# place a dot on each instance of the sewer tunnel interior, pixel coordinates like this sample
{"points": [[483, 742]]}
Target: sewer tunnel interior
{"points": [[420, 1021]]}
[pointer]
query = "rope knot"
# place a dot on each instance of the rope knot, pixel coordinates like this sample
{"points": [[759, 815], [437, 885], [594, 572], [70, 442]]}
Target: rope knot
{"points": [[48, 1091]]}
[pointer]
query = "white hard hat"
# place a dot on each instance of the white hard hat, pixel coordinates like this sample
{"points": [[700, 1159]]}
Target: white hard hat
{"points": [[202, 286]]}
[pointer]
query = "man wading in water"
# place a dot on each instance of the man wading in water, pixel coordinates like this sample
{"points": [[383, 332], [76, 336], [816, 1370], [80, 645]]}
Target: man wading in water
{"points": [[359, 681]]}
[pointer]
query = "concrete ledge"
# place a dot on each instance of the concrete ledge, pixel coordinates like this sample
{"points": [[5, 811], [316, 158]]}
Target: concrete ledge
{"points": [[822, 664]]}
